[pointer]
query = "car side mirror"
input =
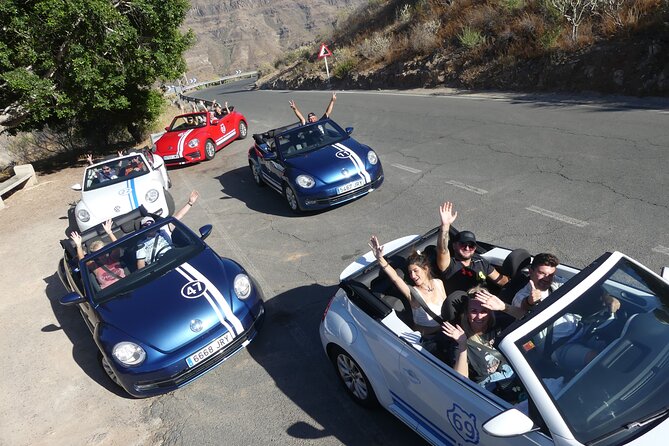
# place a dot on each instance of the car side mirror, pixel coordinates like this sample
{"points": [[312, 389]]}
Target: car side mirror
{"points": [[509, 423], [349, 130], [72, 299], [205, 231], [76, 186], [214, 121], [167, 129], [664, 272], [269, 156]]}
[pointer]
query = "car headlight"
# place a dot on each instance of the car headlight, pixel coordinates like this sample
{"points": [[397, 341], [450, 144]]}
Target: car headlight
{"points": [[305, 181], [242, 286], [372, 158], [152, 195], [193, 143], [129, 353], [83, 215]]}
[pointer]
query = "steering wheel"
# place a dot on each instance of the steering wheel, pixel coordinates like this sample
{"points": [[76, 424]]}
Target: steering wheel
{"points": [[598, 321], [161, 252]]}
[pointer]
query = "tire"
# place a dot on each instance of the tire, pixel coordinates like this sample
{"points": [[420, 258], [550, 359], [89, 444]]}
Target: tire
{"points": [[108, 370], [291, 199], [353, 378], [255, 171], [209, 150], [170, 203], [243, 130]]}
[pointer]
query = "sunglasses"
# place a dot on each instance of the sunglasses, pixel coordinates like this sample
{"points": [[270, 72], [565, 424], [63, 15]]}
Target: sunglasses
{"points": [[468, 245], [148, 223]]}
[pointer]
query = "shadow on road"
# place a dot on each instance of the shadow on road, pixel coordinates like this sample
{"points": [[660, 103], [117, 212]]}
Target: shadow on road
{"points": [[84, 349], [290, 351]]}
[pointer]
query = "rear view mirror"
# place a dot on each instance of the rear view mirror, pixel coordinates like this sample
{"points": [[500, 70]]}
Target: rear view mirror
{"points": [[349, 130], [510, 423], [76, 186], [71, 299], [205, 231]]}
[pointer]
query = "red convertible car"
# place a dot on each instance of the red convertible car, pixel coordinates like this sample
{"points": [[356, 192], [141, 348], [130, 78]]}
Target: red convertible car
{"points": [[195, 137]]}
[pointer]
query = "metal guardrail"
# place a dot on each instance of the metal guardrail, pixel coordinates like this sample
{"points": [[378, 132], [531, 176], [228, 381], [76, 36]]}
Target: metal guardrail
{"points": [[221, 81]]}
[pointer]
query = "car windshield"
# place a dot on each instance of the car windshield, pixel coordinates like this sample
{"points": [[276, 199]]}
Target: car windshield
{"points": [[113, 271], [310, 137], [115, 171], [605, 358], [186, 122]]}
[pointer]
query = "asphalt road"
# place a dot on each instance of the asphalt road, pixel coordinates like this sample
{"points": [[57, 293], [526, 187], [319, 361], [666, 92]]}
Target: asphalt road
{"points": [[570, 176], [548, 174]]}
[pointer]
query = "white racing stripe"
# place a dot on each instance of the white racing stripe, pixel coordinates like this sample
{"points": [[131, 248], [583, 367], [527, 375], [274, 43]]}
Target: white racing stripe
{"points": [[182, 140], [213, 292], [222, 139], [355, 159]]}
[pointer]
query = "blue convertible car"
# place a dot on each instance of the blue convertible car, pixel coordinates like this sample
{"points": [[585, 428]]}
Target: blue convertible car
{"points": [[163, 325], [314, 166]]}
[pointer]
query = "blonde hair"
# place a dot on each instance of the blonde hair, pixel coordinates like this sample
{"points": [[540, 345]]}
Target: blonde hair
{"points": [[465, 317], [96, 245]]}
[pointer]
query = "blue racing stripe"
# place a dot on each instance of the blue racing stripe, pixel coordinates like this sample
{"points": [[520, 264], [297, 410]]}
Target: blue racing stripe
{"points": [[422, 421], [133, 195]]}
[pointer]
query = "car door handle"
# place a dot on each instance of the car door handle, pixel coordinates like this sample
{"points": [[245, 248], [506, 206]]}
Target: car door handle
{"points": [[412, 376]]}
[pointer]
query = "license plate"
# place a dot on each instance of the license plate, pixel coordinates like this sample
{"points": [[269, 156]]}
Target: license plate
{"points": [[170, 157], [209, 350], [350, 186]]}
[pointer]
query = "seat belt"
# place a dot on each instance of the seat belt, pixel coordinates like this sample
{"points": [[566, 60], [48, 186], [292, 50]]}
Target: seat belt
{"points": [[416, 295]]}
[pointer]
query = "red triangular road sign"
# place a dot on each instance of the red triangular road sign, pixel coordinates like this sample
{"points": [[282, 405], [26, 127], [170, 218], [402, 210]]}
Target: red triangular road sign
{"points": [[324, 51]]}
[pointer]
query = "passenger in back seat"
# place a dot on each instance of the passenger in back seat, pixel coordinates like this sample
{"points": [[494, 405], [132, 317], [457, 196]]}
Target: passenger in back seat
{"points": [[430, 289], [466, 269], [107, 268]]}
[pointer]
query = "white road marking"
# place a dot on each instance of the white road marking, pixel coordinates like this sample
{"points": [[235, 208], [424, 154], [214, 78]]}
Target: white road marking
{"points": [[662, 250], [407, 168], [556, 216], [464, 186]]}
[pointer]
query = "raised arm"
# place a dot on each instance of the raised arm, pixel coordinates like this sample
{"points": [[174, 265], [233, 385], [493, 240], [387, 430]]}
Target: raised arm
{"points": [[328, 110], [447, 217], [76, 238], [107, 226], [297, 112], [225, 106], [377, 250], [194, 195], [456, 333]]}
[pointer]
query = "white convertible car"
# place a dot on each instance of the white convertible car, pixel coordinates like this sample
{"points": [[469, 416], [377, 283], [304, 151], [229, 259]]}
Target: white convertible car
{"points": [[621, 396], [118, 185]]}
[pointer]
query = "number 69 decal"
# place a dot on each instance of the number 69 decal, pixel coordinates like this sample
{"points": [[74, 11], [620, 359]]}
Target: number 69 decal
{"points": [[193, 290], [464, 424]]}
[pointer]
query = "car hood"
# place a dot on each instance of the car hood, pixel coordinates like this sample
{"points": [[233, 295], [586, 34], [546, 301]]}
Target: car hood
{"points": [[120, 198], [160, 313], [173, 142], [334, 162]]}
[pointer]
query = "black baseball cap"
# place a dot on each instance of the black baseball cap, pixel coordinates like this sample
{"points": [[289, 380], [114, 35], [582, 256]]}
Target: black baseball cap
{"points": [[464, 237]]}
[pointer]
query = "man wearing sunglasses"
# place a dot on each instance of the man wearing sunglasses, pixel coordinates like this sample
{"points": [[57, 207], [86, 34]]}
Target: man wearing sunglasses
{"points": [[311, 117], [465, 269]]}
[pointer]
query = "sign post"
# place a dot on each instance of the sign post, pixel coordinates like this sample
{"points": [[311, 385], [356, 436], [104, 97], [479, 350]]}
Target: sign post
{"points": [[324, 53]]}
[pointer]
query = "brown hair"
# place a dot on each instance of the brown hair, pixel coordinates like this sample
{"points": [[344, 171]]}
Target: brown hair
{"points": [[421, 260], [465, 319], [544, 259]]}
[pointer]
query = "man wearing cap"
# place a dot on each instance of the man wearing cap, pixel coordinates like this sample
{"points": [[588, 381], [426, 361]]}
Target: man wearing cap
{"points": [[311, 117], [466, 269], [161, 240], [218, 111]]}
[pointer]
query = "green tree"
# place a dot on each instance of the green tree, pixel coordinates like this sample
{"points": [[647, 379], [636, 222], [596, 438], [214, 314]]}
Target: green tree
{"points": [[88, 62]]}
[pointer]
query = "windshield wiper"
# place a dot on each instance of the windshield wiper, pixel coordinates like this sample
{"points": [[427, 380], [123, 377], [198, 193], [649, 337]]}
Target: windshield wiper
{"points": [[633, 425]]}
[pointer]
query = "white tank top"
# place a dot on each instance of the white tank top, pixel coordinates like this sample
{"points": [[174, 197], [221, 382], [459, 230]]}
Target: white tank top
{"points": [[420, 316]]}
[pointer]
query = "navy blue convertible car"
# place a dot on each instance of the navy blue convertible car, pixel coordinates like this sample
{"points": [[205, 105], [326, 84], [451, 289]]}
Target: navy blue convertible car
{"points": [[314, 166], [160, 326]]}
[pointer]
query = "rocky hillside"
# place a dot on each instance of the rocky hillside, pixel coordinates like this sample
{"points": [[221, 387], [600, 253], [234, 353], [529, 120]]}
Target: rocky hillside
{"points": [[244, 34]]}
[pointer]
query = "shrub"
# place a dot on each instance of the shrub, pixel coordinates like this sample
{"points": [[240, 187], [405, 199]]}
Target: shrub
{"points": [[512, 5], [375, 47], [403, 14], [343, 67], [471, 38], [424, 36]]}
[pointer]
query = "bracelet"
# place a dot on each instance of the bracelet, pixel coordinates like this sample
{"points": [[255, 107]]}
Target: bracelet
{"points": [[190, 204], [384, 266]]}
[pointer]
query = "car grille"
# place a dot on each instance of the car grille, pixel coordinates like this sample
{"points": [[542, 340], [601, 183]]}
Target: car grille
{"points": [[191, 373]]}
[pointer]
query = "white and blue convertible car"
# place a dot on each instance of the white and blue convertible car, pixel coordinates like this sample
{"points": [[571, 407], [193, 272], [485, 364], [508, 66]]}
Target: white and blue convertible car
{"points": [[620, 396], [314, 166], [162, 324]]}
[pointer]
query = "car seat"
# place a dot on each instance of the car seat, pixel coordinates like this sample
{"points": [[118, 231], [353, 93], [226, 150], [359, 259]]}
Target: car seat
{"points": [[515, 268]]}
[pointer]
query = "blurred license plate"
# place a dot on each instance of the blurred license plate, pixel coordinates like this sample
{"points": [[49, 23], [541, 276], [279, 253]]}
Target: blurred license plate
{"points": [[209, 350], [170, 157], [350, 186]]}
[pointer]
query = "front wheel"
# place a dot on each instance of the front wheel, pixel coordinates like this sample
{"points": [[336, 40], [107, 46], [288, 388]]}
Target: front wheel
{"points": [[243, 130], [255, 170], [209, 149], [354, 379], [291, 198], [108, 370]]}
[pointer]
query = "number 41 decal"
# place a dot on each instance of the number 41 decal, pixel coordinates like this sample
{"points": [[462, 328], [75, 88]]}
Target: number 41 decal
{"points": [[193, 290]]}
